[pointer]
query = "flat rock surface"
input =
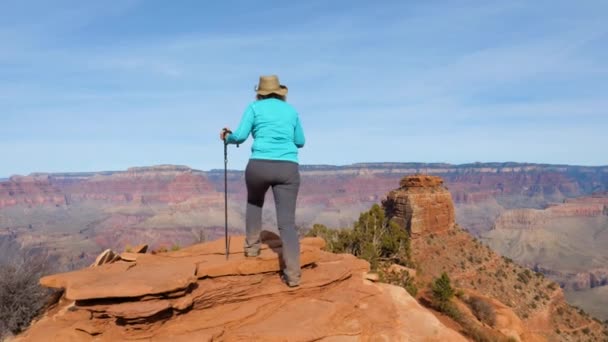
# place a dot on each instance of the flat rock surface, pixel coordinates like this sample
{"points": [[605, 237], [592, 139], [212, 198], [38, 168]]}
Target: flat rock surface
{"points": [[149, 275], [196, 295]]}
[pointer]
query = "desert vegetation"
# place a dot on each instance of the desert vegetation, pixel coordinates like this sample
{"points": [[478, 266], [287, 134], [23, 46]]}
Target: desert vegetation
{"points": [[373, 238], [379, 241], [21, 297], [483, 310]]}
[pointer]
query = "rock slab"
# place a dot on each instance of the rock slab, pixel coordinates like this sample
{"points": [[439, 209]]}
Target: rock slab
{"points": [[196, 295]]}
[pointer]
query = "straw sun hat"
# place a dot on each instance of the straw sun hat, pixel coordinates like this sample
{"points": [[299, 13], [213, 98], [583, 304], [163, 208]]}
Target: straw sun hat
{"points": [[269, 85]]}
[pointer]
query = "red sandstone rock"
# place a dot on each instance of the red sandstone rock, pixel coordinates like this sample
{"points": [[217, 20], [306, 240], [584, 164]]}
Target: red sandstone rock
{"points": [[421, 181], [333, 302], [149, 275], [140, 248], [422, 205]]}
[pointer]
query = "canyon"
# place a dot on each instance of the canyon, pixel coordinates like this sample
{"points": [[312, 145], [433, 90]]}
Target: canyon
{"points": [[565, 241], [200, 293], [551, 218]]}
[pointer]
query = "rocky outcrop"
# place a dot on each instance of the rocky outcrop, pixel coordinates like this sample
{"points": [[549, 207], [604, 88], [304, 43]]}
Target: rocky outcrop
{"points": [[195, 294], [523, 302], [422, 205]]}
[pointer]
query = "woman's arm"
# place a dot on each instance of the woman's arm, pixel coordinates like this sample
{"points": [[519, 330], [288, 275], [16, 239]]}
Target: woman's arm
{"points": [[242, 132], [299, 138]]}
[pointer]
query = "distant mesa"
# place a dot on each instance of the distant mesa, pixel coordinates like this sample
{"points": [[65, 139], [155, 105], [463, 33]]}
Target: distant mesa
{"points": [[164, 167]]}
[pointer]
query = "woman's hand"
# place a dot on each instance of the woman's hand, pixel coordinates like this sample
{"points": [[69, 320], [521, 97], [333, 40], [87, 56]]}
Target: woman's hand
{"points": [[224, 132]]}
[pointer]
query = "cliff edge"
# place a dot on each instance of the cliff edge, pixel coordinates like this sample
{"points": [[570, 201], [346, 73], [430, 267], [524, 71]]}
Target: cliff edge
{"points": [[196, 294]]}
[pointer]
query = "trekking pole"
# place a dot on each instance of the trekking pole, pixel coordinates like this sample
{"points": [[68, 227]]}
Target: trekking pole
{"points": [[227, 238], [226, 192]]}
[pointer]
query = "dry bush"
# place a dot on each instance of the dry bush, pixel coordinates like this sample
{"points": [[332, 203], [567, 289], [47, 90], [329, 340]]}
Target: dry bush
{"points": [[401, 278], [483, 310], [21, 297]]}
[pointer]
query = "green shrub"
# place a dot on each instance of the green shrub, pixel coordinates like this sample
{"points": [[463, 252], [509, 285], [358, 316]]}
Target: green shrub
{"points": [[334, 243], [524, 277], [373, 238], [443, 292], [478, 335]]}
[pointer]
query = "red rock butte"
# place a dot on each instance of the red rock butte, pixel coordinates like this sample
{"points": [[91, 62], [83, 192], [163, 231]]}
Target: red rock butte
{"points": [[195, 294], [422, 205]]}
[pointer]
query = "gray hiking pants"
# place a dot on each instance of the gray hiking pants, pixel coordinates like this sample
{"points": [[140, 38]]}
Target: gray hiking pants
{"points": [[284, 178]]}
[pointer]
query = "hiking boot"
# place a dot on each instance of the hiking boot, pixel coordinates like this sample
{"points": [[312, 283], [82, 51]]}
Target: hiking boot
{"points": [[251, 254], [290, 283]]}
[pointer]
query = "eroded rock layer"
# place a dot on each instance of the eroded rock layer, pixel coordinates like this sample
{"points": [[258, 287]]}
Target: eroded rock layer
{"points": [[195, 294], [422, 204]]}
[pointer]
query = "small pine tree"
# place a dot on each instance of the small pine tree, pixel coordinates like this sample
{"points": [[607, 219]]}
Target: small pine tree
{"points": [[443, 291], [373, 238], [376, 238]]}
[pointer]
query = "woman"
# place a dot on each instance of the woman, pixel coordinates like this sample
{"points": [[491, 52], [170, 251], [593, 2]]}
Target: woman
{"points": [[277, 135]]}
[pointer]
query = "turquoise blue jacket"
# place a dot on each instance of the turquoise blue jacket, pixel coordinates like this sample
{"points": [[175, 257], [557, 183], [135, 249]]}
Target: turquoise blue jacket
{"points": [[276, 129]]}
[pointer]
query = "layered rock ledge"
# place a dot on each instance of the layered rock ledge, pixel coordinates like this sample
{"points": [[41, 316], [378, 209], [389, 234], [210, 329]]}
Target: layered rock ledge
{"points": [[195, 294]]}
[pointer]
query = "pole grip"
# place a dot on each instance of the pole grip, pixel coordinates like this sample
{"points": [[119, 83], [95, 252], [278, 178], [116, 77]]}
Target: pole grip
{"points": [[226, 130], [226, 198]]}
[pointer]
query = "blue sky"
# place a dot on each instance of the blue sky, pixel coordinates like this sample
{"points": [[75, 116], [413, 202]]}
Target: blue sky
{"points": [[105, 85]]}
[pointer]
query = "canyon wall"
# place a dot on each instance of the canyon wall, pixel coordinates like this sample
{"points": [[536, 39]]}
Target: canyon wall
{"points": [[566, 240]]}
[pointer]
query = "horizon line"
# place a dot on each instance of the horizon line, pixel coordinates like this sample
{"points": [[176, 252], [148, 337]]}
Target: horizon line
{"points": [[308, 166]]}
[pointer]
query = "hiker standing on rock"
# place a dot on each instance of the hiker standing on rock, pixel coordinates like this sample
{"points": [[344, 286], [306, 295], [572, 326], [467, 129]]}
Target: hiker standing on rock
{"points": [[277, 134]]}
